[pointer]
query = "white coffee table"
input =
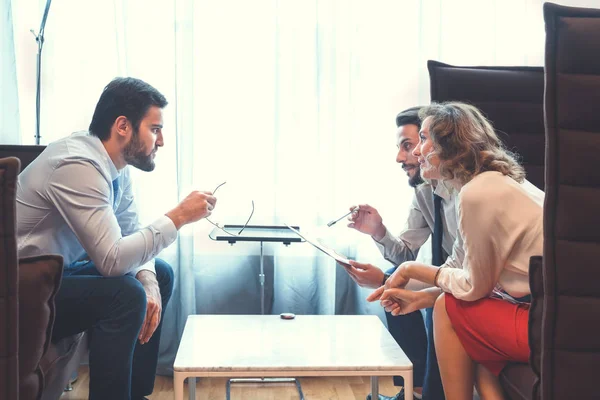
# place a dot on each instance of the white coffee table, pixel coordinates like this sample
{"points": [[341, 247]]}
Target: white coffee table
{"points": [[256, 346]]}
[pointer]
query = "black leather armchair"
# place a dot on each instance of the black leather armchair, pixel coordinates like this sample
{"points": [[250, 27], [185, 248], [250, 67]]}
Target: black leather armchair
{"points": [[32, 367], [570, 322], [512, 99]]}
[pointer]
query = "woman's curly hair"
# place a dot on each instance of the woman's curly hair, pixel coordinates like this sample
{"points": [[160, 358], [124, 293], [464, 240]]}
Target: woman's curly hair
{"points": [[466, 143]]}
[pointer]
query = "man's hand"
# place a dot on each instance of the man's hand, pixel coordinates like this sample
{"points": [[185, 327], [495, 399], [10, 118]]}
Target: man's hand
{"points": [[367, 220], [153, 307], [194, 207], [402, 301], [365, 275]]}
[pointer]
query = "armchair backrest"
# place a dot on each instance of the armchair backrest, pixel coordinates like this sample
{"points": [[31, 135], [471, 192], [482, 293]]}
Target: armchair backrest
{"points": [[26, 154], [27, 290], [510, 97], [571, 325]]}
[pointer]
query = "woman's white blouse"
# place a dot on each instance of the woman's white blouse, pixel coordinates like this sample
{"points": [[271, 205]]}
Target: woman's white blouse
{"points": [[500, 226]]}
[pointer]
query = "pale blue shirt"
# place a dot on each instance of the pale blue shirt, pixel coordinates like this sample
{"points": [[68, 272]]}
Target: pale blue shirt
{"points": [[66, 205]]}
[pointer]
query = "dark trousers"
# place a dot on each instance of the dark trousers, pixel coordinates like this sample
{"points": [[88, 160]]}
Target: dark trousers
{"points": [[112, 310], [418, 345]]}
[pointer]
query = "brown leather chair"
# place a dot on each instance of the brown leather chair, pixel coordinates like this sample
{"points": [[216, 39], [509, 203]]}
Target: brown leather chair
{"points": [[9, 305], [31, 366], [570, 346], [512, 99]]}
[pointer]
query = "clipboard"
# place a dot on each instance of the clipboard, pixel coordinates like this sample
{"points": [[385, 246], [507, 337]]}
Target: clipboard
{"points": [[255, 233], [330, 252]]}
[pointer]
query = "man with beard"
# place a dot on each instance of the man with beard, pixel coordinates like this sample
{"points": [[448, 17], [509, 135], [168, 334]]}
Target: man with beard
{"points": [[76, 200], [409, 330]]}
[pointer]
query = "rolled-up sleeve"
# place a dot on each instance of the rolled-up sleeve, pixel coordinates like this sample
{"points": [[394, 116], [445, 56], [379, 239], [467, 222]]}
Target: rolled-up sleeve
{"points": [[406, 246], [164, 234], [86, 206]]}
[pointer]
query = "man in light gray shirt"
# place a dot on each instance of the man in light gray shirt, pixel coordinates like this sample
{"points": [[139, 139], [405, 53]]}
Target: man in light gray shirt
{"points": [[409, 330], [76, 200]]}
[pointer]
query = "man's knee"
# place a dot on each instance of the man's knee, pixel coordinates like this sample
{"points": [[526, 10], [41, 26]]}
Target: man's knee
{"points": [[164, 276], [130, 299], [131, 291]]}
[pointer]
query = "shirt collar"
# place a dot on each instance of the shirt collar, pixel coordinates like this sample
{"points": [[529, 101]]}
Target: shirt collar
{"points": [[443, 189], [114, 172]]}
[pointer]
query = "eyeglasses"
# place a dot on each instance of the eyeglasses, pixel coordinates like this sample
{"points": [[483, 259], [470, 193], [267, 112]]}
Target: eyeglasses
{"points": [[221, 227]]}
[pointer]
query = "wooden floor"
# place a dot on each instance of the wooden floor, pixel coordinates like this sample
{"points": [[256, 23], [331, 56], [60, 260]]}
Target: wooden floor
{"points": [[331, 388]]}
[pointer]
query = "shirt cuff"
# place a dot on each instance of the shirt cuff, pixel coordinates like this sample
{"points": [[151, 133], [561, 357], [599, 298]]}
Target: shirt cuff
{"points": [[149, 266], [167, 228], [387, 240], [162, 228], [443, 279]]}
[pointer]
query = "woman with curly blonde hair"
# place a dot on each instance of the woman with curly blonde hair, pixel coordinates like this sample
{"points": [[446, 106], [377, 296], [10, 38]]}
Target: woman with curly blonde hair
{"points": [[477, 326], [466, 144]]}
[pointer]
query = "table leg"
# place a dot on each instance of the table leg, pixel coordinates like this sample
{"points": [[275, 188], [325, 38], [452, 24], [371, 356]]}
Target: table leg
{"points": [[299, 387], [408, 384], [262, 380], [178, 379], [228, 389], [375, 388], [192, 387], [261, 278]]}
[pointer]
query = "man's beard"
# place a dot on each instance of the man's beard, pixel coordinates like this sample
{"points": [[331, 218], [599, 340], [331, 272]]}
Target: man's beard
{"points": [[416, 179], [134, 154]]}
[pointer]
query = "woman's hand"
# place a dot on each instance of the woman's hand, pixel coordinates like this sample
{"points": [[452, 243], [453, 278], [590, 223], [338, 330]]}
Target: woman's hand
{"points": [[396, 280], [399, 278], [402, 301], [376, 295]]}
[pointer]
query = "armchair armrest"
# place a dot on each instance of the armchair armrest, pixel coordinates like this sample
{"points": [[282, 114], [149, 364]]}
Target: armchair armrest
{"points": [[536, 312], [39, 280]]}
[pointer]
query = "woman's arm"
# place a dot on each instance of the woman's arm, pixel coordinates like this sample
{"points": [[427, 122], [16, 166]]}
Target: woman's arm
{"points": [[415, 270], [402, 301], [404, 273]]}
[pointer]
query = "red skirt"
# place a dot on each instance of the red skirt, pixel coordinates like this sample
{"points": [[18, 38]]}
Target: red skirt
{"points": [[492, 331]]}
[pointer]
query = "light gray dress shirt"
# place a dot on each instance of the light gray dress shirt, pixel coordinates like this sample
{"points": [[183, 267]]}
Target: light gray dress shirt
{"points": [[419, 225], [66, 205]]}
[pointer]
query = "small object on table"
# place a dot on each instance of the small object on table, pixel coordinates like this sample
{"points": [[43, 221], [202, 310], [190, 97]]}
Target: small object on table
{"points": [[287, 315]]}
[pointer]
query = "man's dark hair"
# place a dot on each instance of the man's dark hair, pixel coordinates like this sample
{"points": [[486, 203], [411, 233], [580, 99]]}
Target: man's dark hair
{"points": [[410, 116], [129, 97]]}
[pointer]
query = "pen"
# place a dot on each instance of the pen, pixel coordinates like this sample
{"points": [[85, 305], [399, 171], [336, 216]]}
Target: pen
{"points": [[343, 216]]}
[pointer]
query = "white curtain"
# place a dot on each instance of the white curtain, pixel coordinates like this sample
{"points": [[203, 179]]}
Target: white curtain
{"points": [[9, 97], [292, 103]]}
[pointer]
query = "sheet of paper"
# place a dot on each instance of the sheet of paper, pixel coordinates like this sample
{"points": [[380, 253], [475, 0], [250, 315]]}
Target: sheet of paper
{"points": [[330, 252]]}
